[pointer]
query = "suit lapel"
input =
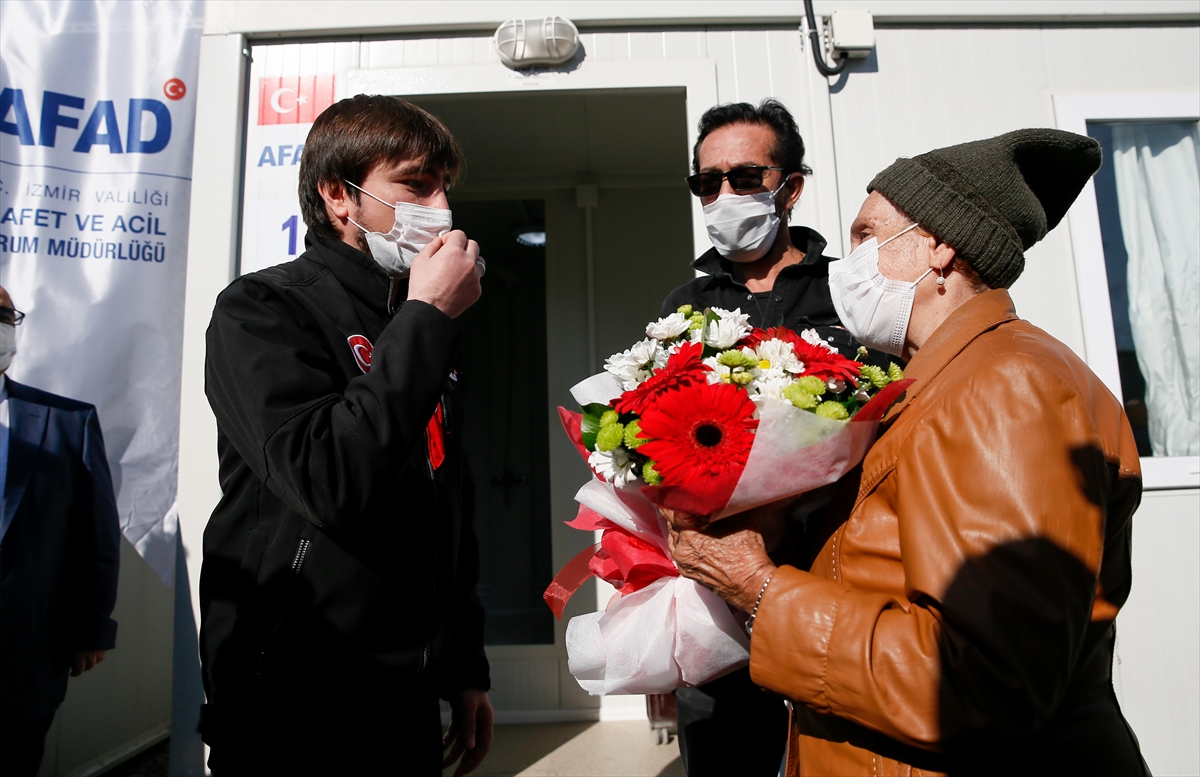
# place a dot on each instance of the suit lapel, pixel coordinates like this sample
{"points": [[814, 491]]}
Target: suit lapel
{"points": [[26, 430]]}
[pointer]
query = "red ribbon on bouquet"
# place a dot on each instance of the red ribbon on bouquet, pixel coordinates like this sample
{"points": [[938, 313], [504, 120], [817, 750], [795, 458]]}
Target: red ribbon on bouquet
{"points": [[622, 559]]}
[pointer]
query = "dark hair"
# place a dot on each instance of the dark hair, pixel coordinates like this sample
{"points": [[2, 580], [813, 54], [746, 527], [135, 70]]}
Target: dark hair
{"points": [[354, 135], [788, 150]]}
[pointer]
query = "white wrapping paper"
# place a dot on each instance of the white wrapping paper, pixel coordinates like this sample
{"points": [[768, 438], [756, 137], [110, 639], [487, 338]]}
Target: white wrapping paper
{"points": [[601, 388], [670, 634], [796, 451]]}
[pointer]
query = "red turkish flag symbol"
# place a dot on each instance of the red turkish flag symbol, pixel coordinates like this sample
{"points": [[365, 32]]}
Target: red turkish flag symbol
{"points": [[293, 99], [361, 348]]}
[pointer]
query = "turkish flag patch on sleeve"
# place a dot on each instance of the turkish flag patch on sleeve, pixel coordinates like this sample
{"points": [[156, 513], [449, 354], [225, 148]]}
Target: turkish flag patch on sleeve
{"points": [[361, 348]]}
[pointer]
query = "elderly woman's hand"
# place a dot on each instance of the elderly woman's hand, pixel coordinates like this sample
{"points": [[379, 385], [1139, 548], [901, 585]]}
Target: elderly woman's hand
{"points": [[728, 556]]}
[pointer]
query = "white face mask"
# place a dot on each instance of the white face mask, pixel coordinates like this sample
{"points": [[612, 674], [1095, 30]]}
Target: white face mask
{"points": [[415, 227], [875, 309], [8, 345], [742, 227]]}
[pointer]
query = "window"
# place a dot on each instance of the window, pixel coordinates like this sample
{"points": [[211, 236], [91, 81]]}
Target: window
{"points": [[1136, 239]]}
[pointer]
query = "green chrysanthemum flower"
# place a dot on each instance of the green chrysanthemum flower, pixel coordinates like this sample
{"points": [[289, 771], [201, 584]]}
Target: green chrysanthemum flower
{"points": [[609, 437], [684, 310], [894, 372], [735, 358], [696, 321], [650, 475], [812, 385], [833, 410], [861, 353], [632, 441], [877, 377], [741, 378], [609, 418], [805, 400]]}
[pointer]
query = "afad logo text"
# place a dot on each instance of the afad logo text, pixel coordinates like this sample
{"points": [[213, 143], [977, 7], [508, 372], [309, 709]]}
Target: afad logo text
{"points": [[142, 126]]}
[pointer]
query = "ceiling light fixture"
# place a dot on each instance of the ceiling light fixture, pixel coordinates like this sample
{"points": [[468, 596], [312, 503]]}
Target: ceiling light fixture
{"points": [[531, 235], [523, 43]]}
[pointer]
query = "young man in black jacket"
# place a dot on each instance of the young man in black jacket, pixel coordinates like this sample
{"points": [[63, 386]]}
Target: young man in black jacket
{"points": [[748, 171], [337, 591]]}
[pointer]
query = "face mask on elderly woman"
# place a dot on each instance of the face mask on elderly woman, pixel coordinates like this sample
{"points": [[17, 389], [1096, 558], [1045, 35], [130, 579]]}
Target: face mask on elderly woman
{"points": [[875, 309]]}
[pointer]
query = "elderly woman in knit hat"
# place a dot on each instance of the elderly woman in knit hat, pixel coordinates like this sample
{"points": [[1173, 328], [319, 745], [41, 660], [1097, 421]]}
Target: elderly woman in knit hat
{"points": [[954, 609]]}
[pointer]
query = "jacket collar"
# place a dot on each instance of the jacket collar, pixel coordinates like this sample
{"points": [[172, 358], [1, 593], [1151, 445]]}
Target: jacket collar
{"points": [[26, 431], [357, 272], [980, 314], [807, 240]]}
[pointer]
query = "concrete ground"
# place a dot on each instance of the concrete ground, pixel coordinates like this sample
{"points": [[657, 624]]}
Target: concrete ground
{"points": [[619, 748], [623, 748]]}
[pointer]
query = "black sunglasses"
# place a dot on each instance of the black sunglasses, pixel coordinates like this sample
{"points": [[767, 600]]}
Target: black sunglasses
{"points": [[11, 316], [742, 179]]}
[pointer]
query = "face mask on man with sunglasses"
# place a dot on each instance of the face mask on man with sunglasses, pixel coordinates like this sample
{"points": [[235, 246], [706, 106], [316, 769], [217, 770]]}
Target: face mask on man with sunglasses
{"points": [[742, 227]]}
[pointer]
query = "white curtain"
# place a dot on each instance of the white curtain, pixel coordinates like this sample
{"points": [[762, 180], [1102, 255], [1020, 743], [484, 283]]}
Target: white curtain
{"points": [[1158, 193]]}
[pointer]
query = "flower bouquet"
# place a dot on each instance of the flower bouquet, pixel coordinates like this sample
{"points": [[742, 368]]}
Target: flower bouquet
{"points": [[711, 417]]}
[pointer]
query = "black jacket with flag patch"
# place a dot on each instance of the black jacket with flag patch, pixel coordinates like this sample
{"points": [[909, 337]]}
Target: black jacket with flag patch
{"points": [[340, 564]]}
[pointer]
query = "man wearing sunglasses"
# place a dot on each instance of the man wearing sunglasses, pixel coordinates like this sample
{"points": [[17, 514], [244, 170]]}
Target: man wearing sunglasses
{"points": [[59, 552], [749, 171]]}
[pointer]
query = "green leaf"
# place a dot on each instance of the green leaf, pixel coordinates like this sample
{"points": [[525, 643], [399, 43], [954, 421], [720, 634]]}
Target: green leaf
{"points": [[590, 424]]}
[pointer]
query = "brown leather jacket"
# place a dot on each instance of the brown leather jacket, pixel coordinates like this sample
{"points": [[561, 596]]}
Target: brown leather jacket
{"points": [[961, 618]]}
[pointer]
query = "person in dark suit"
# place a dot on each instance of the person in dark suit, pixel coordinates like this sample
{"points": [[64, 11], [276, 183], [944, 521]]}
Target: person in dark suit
{"points": [[59, 552]]}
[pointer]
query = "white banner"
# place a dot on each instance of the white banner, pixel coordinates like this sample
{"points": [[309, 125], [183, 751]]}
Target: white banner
{"points": [[97, 113]]}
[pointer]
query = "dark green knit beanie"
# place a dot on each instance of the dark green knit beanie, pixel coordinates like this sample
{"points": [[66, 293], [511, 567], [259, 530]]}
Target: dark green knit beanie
{"points": [[993, 199]]}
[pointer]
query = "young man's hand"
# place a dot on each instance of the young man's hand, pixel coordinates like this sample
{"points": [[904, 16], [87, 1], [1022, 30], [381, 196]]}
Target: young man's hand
{"points": [[470, 732], [84, 660], [446, 273]]}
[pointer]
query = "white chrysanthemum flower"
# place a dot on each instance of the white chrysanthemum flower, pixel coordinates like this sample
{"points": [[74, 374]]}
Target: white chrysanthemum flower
{"points": [[718, 373], [614, 466], [634, 366], [776, 355], [770, 387], [668, 328], [811, 337], [729, 327]]}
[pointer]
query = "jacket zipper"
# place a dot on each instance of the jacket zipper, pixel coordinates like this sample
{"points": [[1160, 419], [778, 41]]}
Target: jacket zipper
{"points": [[297, 566], [298, 559]]}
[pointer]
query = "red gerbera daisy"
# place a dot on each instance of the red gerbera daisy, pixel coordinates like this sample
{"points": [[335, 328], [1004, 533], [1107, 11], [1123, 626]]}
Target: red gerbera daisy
{"points": [[817, 360], [682, 369], [698, 431]]}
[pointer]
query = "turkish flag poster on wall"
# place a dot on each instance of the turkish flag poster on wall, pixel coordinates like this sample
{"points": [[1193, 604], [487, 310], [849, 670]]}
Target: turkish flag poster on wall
{"points": [[293, 99]]}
